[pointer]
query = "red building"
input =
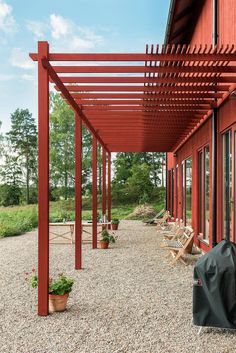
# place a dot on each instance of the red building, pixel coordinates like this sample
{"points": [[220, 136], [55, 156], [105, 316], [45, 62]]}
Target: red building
{"points": [[201, 171], [176, 98]]}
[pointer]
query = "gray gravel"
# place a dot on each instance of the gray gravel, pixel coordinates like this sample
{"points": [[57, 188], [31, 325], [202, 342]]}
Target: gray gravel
{"points": [[128, 299]]}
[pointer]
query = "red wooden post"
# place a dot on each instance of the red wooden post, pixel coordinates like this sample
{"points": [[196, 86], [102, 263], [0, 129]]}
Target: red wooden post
{"points": [[43, 181], [104, 196], [78, 192], [94, 192], [109, 189]]}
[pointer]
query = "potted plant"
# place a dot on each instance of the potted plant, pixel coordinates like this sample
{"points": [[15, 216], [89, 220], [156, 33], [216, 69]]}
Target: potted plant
{"points": [[106, 238], [58, 290], [115, 223]]}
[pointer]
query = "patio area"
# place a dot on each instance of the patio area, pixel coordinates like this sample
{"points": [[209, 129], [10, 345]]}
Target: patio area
{"points": [[128, 299]]}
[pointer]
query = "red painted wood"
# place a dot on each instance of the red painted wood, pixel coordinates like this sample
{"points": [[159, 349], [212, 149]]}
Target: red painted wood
{"points": [[142, 102], [132, 79], [78, 192], [203, 30], [226, 22], [69, 98], [43, 181], [145, 69], [187, 99], [104, 196], [143, 108], [94, 192], [109, 189], [107, 88], [137, 57]]}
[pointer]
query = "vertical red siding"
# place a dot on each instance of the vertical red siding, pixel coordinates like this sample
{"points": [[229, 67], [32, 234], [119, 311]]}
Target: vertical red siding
{"points": [[226, 118], [203, 29], [226, 21]]}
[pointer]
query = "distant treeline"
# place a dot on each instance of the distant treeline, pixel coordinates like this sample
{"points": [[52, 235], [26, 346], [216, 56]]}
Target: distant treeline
{"points": [[137, 177]]}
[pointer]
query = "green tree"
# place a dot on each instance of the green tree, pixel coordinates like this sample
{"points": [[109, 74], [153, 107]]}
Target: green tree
{"points": [[11, 179], [139, 185], [1, 141], [62, 147], [61, 144], [23, 140]]}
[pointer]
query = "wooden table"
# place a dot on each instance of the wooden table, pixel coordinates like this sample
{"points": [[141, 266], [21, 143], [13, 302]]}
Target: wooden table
{"points": [[67, 235]]}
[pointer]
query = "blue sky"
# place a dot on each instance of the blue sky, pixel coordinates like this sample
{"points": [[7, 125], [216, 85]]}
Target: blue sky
{"points": [[72, 26]]}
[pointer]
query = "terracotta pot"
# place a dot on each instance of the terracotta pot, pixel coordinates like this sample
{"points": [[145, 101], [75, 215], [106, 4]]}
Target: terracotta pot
{"points": [[114, 226], [104, 244], [57, 302]]}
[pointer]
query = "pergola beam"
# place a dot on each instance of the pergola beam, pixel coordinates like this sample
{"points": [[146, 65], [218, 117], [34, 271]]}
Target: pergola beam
{"points": [[104, 200], [137, 102], [176, 88], [43, 185], [138, 57], [70, 99], [145, 69], [159, 79], [94, 192], [78, 192], [201, 97], [109, 188]]}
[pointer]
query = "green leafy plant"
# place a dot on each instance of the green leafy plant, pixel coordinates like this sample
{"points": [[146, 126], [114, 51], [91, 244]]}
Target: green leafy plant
{"points": [[59, 286], [115, 221], [107, 237]]}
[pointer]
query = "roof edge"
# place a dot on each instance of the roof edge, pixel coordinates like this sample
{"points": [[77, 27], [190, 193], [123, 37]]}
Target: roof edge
{"points": [[169, 21]]}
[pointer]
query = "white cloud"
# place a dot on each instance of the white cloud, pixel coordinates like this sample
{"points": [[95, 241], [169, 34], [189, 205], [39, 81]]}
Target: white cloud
{"points": [[7, 22], [28, 77], [5, 77], [21, 59], [37, 27], [60, 26], [66, 35]]}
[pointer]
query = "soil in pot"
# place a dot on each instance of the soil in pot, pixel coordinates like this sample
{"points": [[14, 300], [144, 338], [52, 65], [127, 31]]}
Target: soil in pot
{"points": [[104, 244], [57, 302]]}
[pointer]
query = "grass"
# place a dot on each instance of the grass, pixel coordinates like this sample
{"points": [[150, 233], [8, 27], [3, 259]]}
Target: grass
{"points": [[17, 220]]}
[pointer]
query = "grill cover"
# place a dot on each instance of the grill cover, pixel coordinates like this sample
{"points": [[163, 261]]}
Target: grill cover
{"points": [[214, 287]]}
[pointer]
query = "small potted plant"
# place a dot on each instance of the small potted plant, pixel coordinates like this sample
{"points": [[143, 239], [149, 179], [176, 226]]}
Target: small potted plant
{"points": [[58, 290], [115, 223], [106, 238]]}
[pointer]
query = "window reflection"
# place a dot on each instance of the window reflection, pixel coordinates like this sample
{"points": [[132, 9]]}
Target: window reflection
{"points": [[188, 171], [227, 184]]}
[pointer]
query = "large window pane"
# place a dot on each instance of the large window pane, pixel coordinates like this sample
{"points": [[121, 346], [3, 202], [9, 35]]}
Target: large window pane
{"points": [[188, 191], [177, 191], [207, 192], [183, 191], [227, 184], [201, 193]]}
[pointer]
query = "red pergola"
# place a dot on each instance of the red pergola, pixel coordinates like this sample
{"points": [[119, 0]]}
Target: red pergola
{"points": [[137, 102]]}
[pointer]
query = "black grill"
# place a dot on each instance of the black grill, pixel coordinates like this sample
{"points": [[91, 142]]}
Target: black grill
{"points": [[214, 287]]}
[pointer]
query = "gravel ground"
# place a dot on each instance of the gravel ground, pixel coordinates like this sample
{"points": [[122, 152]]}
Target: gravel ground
{"points": [[127, 299]]}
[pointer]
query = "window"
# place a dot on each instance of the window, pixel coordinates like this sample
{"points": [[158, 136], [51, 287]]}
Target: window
{"points": [[176, 191], [171, 191], [188, 174], [227, 184], [183, 191], [204, 189], [187, 191]]}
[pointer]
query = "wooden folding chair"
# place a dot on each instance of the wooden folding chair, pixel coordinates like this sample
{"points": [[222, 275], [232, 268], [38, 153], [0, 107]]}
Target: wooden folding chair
{"points": [[154, 219], [179, 248], [171, 228], [162, 221]]}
